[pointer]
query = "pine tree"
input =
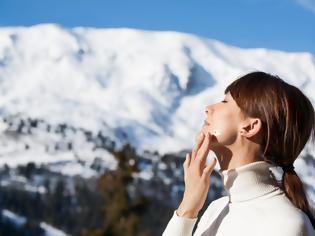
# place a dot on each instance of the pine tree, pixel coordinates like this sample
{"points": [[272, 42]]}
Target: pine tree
{"points": [[122, 212]]}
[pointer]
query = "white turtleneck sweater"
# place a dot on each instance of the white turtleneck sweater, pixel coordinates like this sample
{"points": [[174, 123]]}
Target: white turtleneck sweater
{"points": [[255, 205]]}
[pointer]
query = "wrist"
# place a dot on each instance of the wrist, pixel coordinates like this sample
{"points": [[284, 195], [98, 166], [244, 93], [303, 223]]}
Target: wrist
{"points": [[189, 213]]}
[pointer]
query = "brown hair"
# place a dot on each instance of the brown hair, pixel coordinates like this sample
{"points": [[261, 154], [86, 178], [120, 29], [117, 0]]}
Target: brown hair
{"points": [[288, 122]]}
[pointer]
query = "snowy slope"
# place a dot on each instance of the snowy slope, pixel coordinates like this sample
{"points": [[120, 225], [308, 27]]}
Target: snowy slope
{"points": [[147, 87], [145, 83]]}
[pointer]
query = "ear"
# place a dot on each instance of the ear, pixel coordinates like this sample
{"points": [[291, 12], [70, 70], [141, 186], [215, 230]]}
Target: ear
{"points": [[250, 127]]}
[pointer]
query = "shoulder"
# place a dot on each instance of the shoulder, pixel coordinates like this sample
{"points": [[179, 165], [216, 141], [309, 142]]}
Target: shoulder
{"points": [[298, 224], [219, 203], [287, 219], [281, 208]]}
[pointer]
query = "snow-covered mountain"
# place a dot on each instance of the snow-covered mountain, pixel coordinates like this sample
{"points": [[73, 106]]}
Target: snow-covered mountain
{"points": [[149, 88], [153, 86], [68, 96]]}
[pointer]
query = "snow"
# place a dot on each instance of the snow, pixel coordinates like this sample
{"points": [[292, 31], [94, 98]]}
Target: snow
{"points": [[151, 86], [145, 83], [21, 220], [18, 220], [51, 231], [76, 161], [73, 169]]}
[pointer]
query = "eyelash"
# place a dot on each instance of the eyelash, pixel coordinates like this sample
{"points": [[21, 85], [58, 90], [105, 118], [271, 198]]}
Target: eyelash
{"points": [[224, 101]]}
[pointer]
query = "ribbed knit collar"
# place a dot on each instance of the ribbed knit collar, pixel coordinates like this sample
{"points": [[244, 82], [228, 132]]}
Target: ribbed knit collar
{"points": [[249, 181]]}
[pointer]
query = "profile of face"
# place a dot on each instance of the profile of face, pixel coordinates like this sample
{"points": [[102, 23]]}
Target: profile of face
{"points": [[224, 120]]}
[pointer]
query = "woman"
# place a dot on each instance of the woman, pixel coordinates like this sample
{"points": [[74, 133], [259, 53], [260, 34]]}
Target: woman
{"points": [[262, 123]]}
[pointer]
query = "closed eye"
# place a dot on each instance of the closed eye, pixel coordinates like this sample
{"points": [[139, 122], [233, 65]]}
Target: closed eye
{"points": [[224, 101]]}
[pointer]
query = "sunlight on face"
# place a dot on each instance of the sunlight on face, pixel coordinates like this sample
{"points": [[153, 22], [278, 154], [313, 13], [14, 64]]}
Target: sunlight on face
{"points": [[222, 120]]}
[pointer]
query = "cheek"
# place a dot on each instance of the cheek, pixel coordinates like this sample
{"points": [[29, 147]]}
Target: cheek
{"points": [[224, 129]]}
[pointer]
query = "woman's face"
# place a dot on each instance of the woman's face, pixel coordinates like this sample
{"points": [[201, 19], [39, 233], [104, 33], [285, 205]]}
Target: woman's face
{"points": [[223, 119]]}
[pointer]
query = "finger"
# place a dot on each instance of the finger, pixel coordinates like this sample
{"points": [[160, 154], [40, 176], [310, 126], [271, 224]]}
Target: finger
{"points": [[204, 149], [187, 161], [199, 136], [198, 144], [207, 171]]}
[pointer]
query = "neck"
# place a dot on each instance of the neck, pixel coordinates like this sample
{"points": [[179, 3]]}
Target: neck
{"points": [[229, 157], [249, 181]]}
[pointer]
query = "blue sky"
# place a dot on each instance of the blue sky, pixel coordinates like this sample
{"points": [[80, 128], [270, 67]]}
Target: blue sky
{"points": [[287, 25]]}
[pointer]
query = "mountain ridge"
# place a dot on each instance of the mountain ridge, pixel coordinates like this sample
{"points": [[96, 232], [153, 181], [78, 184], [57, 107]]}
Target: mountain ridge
{"points": [[142, 82]]}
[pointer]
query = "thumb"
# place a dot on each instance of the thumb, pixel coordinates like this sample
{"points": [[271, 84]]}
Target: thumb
{"points": [[208, 169]]}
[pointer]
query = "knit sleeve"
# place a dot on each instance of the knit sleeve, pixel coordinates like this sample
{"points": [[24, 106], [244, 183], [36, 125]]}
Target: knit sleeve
{"points": [[180, 226]]}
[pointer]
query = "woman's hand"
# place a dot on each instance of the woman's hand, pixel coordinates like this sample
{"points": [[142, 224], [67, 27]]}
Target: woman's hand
{"points": [[197, 177]]}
